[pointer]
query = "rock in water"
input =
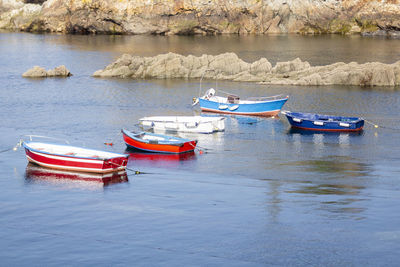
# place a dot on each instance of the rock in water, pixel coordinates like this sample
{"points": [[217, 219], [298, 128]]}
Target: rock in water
{"points": [[229, 66], [60, 71], [39, 72], [35, 72]]}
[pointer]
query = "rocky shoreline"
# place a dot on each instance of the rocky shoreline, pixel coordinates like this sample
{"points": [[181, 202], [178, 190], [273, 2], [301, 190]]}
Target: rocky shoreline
{"points": [[165, 17], [229, 66]]}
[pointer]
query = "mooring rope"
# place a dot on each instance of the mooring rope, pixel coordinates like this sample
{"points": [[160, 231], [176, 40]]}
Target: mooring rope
{"points": [[380, 126], [199, 148], [14, 148], [369, 122], [129, 169], [8, 149]]}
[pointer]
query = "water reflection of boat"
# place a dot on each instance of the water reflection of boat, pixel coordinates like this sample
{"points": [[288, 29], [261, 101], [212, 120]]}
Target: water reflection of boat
{"points": [[34, 173], [144, 156], [307, 132]]}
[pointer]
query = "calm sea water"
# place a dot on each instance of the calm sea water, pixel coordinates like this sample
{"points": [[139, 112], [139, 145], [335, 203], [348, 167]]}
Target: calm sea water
{"points": [[261, 194]]}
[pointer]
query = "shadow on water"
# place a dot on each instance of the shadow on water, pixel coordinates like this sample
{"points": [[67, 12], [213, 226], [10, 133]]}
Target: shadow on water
{"points": [[35, 174]]}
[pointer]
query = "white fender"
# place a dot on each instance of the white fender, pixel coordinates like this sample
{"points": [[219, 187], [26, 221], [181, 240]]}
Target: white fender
{"points": [[232, 108], [210, 93]]}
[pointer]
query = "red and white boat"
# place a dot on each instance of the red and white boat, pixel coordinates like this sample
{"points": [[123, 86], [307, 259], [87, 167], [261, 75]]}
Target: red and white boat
{"points": [[160, 143], [66, 157]]}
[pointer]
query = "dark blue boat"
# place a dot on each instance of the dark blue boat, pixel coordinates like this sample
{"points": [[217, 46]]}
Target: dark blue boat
{"points": [[318, 122]]}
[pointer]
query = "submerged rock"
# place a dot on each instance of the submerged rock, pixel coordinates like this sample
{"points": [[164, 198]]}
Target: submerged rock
{"points": [[39, 72], [229, 66]]}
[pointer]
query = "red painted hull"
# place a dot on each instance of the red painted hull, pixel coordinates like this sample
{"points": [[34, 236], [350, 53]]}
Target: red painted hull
{"points": [[161, 148], [61, 162]]}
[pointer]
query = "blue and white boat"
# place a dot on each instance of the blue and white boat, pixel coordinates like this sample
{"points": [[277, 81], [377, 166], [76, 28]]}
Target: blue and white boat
{"points": [[232, 104], [318, 122]]}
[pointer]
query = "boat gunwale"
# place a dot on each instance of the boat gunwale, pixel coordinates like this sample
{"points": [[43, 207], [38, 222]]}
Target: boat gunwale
{"points": [[252, 101], [211, 120], [26, 146], [270, 113]]}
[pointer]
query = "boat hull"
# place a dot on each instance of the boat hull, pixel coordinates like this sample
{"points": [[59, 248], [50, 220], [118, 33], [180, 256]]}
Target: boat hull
{"points": [[72, 163], [333, 125], [135, 143], [258, 108]]}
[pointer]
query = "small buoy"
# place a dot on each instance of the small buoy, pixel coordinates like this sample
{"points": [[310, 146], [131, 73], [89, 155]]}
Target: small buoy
{"points": [[108, 144], [376, 126], [200, 152]]}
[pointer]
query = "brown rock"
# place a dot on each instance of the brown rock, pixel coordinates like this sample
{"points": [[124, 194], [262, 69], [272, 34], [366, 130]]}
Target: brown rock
{"points": [[39, 72], [35, 72], [229, 66], [201, 16]]}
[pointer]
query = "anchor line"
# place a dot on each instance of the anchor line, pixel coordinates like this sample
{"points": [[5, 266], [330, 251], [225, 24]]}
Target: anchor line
{"points": [[380, 126], [15, 148], [5, 150], [199, 147], [129, 169]]}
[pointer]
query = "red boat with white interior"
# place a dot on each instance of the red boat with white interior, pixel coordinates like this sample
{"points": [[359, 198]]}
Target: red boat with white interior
{"points": [[66, 157], [151, 142]]}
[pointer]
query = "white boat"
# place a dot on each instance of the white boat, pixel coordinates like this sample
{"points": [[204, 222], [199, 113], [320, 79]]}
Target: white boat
{"points": [[191, 124]]}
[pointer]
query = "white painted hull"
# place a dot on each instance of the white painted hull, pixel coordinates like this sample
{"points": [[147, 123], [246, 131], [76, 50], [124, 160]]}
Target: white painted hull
{"points": [[189, 124]]}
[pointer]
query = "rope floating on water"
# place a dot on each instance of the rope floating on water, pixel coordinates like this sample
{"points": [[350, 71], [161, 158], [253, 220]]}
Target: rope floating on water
{"points": [[129, 169], [369, 122], [14, 148], [8, 149], [380, 126]]}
